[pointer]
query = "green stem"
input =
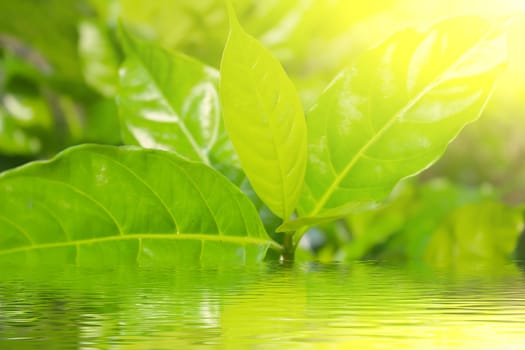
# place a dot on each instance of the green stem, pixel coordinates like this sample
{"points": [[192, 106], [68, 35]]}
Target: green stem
{"points": [[289, 247]]}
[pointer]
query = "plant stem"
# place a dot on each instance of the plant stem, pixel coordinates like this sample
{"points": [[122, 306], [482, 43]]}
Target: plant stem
{"points": [[289, 247]]}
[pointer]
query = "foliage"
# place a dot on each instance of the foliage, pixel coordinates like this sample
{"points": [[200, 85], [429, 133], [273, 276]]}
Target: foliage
{"points": [[69, 210], [206, 134], [437, 222], [260, 103]]}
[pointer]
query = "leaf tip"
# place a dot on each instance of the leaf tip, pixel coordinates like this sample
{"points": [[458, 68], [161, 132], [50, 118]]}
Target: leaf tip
{"points": [[233, 20]]}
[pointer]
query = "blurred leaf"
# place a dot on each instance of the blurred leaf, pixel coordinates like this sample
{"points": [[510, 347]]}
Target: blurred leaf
{"points": [[477, 233], [46, 34], [99, 58], [14, 66], [170, 101], [25, 120], [198, 28], [431, 204], [373, 227], [102, 123], [393, 113], [14, 140], [95, 205], [264, 119]]}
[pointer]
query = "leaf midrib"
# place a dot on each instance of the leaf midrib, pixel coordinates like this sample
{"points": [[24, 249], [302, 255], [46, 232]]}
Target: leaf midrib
{"points": [[276, 149], [182, 125], [241, 240], [267, 113], [328, 193]]}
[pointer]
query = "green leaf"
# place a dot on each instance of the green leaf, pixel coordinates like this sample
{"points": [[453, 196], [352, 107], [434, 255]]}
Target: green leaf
{"points": [[170, 101], [264, 119], [100, 61], [393, 113], [477, 233], [109, 205]]}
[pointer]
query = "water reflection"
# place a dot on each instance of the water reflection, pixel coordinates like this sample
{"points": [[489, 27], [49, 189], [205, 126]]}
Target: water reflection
{"points": [[360, 306]]}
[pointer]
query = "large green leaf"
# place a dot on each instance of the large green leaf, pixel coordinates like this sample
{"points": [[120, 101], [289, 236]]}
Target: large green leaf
{"points": [[103, 204], [264, 119], [170, 101], [394, 111]]}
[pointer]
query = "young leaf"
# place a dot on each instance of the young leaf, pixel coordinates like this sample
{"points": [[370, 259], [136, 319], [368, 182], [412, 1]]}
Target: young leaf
{"points": [[125, 205], [170, 101], [393, 113], [264, 119]]}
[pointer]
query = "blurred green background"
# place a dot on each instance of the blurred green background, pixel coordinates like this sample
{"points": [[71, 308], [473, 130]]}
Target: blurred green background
{"points": [[59, 70]]}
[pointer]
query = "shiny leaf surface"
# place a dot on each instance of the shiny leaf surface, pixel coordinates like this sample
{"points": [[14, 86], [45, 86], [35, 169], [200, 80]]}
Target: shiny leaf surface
{"points": [[169, 101], [109, 205], [393, 112], [264, 119]]}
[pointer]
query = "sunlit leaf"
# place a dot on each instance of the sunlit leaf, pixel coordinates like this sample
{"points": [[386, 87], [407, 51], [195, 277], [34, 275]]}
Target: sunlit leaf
{"points": [[264, 119], [109, 205], [393, 112], [170, 101]]}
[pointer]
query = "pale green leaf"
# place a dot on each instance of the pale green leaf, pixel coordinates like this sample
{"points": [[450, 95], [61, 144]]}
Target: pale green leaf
{"points": [[264, 119], [393, 112], [103, 204], [169, 101]]}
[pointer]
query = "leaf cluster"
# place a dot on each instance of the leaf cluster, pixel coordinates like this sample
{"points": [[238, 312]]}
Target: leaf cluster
{"points": [[224, 166]]}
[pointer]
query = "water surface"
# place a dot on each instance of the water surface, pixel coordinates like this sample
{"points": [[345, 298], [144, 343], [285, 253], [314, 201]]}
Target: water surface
{"points": [[308, 306]]}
